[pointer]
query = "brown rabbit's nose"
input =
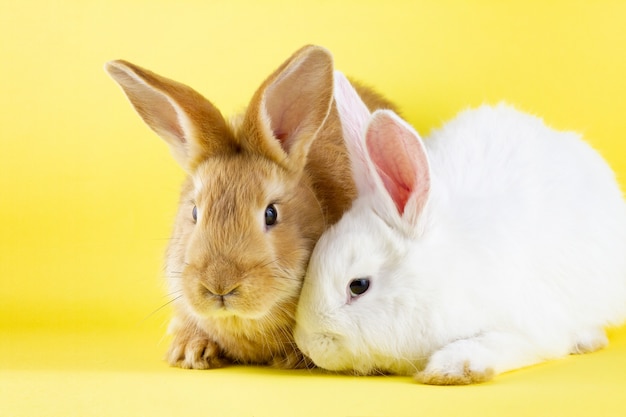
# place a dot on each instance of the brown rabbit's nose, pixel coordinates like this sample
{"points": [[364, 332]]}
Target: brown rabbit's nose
{"points": [[218, 279], [219, 291]]}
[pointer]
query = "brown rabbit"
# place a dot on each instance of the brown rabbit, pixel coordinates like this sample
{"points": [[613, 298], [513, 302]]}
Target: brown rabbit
{"points": [[260, 191]]}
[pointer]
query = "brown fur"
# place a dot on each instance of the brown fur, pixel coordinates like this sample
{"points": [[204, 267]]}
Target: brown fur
{"points": [[237, 281]]}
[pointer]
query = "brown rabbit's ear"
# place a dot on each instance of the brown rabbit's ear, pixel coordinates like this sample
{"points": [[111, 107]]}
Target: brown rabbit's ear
{"points": [[189, 123], [290, 107]]}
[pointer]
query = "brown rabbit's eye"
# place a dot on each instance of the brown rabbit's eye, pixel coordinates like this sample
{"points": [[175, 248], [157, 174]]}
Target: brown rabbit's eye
{"points": [[194, 214], [271, 215]]}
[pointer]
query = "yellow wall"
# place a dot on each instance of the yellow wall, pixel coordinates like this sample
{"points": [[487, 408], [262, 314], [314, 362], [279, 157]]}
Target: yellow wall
{"points": [[88, 192]]}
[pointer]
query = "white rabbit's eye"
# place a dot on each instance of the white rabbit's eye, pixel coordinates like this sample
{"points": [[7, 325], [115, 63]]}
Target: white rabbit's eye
{"points": [[194, 214], [358, 286], [271, 215]]}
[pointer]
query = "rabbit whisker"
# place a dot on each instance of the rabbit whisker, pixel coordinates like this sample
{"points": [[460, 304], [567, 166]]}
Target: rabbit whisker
{"points": [[161, 308]]}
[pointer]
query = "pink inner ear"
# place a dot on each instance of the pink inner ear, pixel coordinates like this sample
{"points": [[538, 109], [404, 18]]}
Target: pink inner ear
{"points": [[169, 121], [281, 136], [399, 159]]}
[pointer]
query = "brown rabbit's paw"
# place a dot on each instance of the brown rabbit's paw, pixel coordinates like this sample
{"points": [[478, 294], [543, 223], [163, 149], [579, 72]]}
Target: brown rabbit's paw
{"points": [[458, 375], [197, 353]]}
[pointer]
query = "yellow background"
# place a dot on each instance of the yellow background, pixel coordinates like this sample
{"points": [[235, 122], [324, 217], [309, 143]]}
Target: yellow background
{"points": [[88, 193]]}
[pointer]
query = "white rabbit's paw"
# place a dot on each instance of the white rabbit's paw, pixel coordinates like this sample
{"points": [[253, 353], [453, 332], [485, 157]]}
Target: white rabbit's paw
{"points": [[590, 341], [459, 375], [195, 353], [447, 367]]}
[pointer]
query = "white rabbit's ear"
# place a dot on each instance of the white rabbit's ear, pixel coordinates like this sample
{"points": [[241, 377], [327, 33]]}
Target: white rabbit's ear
{"points": [[189, 123], [354, 117], [400, 160]]}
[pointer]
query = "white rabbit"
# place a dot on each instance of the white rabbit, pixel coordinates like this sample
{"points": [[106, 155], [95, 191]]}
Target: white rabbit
{"points": [[495, 244]]}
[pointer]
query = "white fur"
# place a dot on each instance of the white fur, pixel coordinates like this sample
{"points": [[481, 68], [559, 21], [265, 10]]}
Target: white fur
{"points": [[518, 256]]}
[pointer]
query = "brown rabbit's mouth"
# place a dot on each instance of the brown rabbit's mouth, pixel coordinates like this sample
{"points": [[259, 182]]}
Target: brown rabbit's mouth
{"points": [[242, 301], [220, 304], [208, 304], [250, 290]]}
